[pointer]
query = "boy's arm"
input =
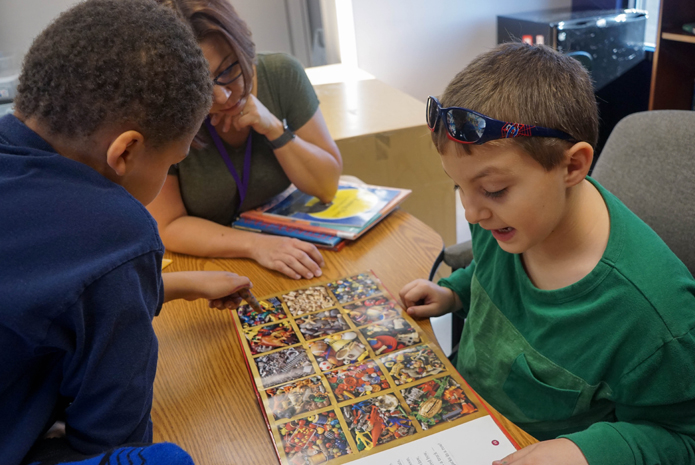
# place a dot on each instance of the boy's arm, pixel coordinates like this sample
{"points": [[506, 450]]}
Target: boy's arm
{"points": [[460, 283], [109, 373], [655, 412], [211, 285]]}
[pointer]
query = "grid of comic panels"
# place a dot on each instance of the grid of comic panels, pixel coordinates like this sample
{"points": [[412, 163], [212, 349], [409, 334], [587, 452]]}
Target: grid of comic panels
{"points": [[342, 369]]}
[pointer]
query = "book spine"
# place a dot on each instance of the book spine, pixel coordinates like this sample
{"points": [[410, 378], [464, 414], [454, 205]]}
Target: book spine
{"points": [[251, 215], [289, 231]]}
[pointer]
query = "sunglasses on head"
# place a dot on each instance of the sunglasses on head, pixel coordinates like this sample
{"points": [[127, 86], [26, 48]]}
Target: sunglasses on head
{"points": [[468, 127]]}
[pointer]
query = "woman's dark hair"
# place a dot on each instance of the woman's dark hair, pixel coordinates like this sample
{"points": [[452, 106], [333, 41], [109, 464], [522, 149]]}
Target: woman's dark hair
{"points": [[209, 17], [116, 62], [527, 84]]}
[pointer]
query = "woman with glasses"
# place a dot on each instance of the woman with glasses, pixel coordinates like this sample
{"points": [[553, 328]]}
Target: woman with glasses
{"points": [[264, 131]]}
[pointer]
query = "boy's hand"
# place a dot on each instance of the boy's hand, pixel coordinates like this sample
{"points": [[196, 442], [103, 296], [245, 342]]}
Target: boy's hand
{"points": [[219, 287], [554, 452], [424, 299]]}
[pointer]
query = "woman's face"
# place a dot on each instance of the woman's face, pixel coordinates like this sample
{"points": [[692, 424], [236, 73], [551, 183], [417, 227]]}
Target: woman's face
{"points": [[227, 99]]}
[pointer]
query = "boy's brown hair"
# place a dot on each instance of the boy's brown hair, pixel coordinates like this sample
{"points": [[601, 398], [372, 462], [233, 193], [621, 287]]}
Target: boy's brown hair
{"points": [[207, 17], [527, 84]]}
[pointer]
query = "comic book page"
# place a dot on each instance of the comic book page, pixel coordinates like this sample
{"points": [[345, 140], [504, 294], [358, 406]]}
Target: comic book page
{"points": [[342, 374]]}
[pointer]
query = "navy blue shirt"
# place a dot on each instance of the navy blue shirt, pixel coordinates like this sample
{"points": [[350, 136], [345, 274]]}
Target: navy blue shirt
{"points": [[80, 281]]}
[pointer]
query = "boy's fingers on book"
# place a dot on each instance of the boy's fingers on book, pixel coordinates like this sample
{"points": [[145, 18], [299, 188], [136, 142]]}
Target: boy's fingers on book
{"points": [[418, 292], [423, 311], [405, 290]]}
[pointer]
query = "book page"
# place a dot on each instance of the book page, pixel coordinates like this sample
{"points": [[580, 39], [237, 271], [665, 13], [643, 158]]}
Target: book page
{"points": [[478, 442], [342, 373]]}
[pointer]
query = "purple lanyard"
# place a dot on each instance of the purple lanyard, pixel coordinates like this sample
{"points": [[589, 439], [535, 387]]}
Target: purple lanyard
{"points": [[242, 184]]}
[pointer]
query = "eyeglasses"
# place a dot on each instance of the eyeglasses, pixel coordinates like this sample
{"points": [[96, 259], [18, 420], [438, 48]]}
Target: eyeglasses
{"points": [[228, 75], [468, 127]]}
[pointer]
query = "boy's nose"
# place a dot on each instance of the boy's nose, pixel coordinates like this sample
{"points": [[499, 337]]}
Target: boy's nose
{"points": [[220, 94], [475, 213]]}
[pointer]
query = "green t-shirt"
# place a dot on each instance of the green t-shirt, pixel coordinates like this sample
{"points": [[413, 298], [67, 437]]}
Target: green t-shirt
{"points": [[608, 361], [207, 188]]}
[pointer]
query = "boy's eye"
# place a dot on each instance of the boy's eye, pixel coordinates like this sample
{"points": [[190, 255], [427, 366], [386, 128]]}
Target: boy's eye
{"points": [[496, 194]]}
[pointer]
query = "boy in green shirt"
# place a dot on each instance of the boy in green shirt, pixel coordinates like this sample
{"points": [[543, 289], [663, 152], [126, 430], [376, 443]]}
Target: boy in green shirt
{"points": [[579, 318]]}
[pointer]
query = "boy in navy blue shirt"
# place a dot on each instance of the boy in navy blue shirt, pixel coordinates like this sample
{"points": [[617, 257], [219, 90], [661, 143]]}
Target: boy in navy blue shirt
{"points": [[110, 96]]}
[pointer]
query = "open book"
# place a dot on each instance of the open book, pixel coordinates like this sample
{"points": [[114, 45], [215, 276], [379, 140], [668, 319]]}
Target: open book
{"points": [[343, 374]]}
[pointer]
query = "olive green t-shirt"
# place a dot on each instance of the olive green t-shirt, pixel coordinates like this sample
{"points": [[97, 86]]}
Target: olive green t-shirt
{"points": [[607, 362], [207, 188]]}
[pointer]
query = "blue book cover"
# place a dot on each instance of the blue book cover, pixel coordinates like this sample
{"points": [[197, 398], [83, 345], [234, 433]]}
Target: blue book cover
{"points": [[289, 231], [353, 205]]}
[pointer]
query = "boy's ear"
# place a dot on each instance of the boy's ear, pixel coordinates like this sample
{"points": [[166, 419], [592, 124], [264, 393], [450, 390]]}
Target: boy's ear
{"points": [[578, 160], [123, 150]]}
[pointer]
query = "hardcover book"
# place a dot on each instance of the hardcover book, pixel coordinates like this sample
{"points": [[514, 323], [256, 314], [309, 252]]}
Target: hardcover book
{"points": [[354, 209], [343, 374], [322, 240]]}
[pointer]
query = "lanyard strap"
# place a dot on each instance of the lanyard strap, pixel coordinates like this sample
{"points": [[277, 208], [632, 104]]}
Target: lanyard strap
{"points": [[242, 184]]}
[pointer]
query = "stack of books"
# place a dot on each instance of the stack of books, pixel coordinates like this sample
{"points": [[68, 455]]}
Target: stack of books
{"points": [[353, 211]]}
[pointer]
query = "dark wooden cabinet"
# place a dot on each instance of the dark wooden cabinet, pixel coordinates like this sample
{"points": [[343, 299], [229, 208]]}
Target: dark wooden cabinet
{"points": [[673, 73]]}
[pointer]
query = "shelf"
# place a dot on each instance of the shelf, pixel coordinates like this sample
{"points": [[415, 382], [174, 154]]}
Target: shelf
{"points": [[678, 36]]}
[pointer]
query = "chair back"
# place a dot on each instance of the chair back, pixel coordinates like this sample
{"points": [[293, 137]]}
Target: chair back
{"points": [[648, 162]]}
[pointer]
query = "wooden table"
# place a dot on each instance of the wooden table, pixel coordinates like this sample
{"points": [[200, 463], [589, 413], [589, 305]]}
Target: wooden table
{"points": [[203, 396]]}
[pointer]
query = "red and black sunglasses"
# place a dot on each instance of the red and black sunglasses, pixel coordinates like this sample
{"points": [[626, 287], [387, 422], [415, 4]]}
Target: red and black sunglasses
{"points": [[469, 127]]}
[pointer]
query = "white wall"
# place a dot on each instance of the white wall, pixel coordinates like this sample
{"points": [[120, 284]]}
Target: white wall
{"points": [[22, 20], [419, 46]]}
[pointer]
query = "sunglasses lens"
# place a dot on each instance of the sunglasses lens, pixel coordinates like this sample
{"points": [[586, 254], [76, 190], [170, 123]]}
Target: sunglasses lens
{"points": [[464, 125], [432, 112]]}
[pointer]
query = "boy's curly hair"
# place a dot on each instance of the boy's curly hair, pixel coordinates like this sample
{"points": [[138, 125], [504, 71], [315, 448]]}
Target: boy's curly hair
{"points": [[527, 84], [116, 62]]}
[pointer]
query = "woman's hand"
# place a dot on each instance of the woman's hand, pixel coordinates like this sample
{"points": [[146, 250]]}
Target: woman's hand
{"points": [[554, 452], [424, 299], [253, 114], [290, 257]]}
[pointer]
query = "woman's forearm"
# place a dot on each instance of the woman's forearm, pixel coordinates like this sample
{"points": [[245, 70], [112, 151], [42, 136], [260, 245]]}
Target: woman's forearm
{"points": [[204, 238], [311, 169]]}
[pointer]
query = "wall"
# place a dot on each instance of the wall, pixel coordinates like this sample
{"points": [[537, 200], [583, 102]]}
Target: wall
{"points": [[418, 47], [22, 20]]}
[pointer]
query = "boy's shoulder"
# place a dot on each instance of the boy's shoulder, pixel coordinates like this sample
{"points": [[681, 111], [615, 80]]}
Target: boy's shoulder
{"points": [[66, 219]]}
